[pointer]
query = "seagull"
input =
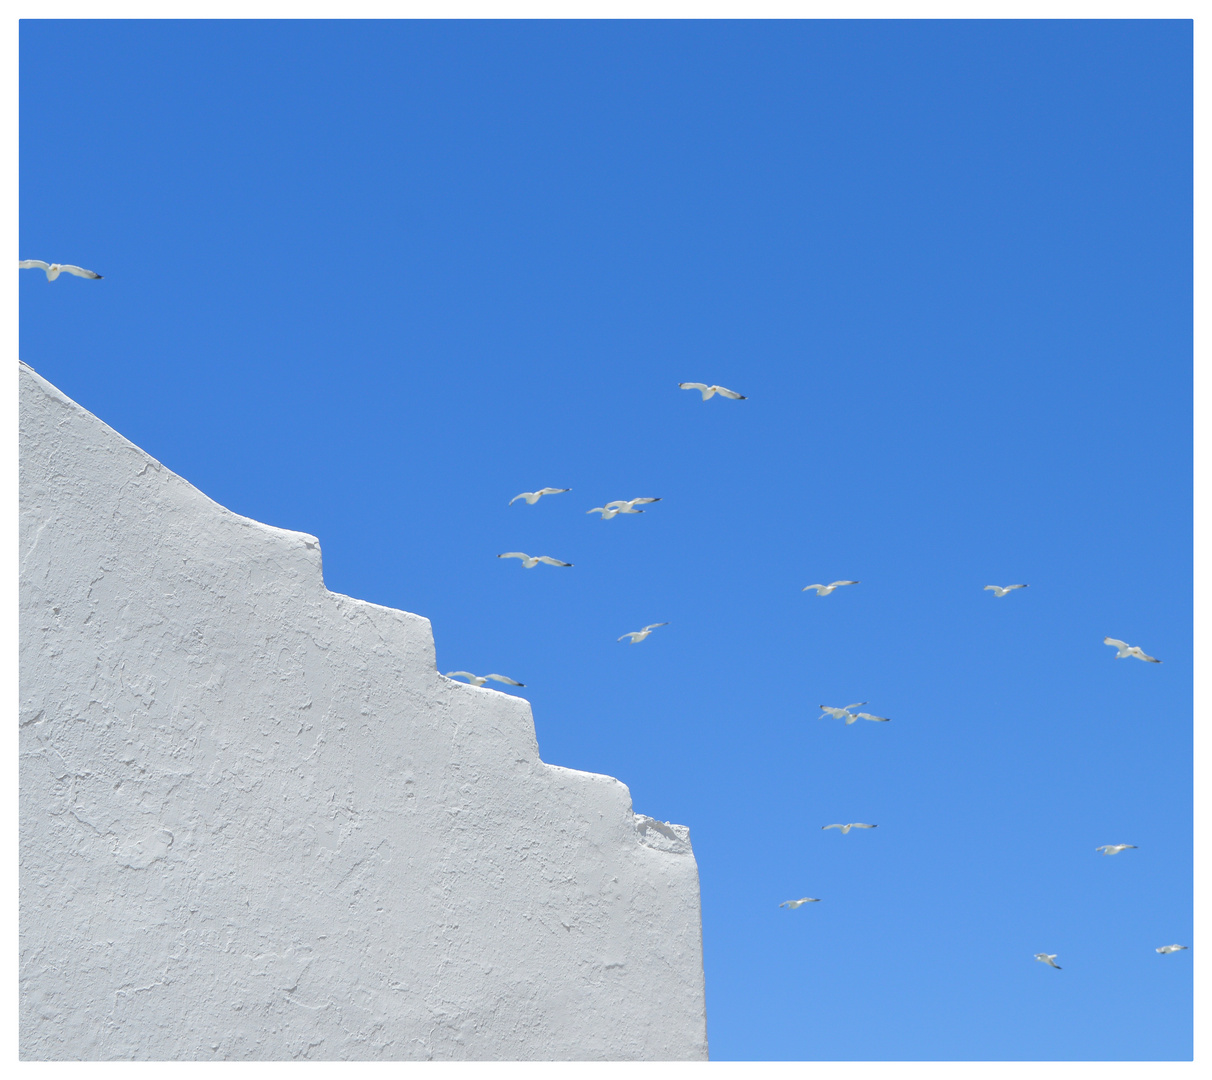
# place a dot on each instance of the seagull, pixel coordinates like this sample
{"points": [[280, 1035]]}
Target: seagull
{"points": [[619, 506], [1129, 650], [533, 497], [1166, 949], [711, 391], [480, 680], [639, 635], [793, 904], [825, 590], [999, 590], [1114, 849], [53, 270], [531, 561], [853, 825], [1048, 958], [850, 718]]}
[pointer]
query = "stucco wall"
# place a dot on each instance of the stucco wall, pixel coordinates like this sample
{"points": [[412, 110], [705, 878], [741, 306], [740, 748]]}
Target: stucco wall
{"points": [[256, 822]]}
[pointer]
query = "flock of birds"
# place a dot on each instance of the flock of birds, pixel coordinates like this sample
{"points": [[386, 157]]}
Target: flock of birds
{"points": [[630, 506]]}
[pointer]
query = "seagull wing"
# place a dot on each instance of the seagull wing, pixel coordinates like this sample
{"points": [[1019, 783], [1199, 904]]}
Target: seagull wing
{"points": [[1116, 643], [504, 679], [703, 388], [868, 716], [856, 705], [833, 826], [525, 495], [817, 587], [633, 502], [33, 264], [725, 392], [860, 825], [1009, 587], [654, 625], [552, 562], [835, 584], [1140, 654], [554, 491], [514, 555], [465, 674], [617, 503], [79, 271], [631, 634]]}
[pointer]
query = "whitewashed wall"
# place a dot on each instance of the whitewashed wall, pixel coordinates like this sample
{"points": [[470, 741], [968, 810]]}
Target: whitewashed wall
{"points": [[257, 823]]}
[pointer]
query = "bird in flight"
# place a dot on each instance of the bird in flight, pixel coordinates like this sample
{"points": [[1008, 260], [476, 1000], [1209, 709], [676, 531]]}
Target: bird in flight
{"points": [[1166, 949], [639, 635], [793, 904], [53, 270], [533, 497], [1048, 958], [1114, 849], [825, 590], [853, 825], [848, 716], [620, 506], [1129, 650], [531, 561], [1001, 590], [480, 680], [711, 391]]}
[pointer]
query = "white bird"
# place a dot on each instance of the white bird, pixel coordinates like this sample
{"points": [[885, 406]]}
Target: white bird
{"points": [[1048, 958], [533, 497], [793, 904], [1128, 650], [853, 825], [639, 635], [620, 506], [480, 680], [1166, 949], [711, 391], [1000, 590], [531, 561], [850, 718], [825, 590], [1114, 849], [53, 270]]}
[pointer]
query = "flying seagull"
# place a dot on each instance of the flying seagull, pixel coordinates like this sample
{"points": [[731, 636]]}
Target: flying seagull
{"points": [[1166, 949], [531, 561], [533, 497], [620, 506], [848, 716], [53, 270], [1114, 849], [639, 635], [999, 590], [1129, 650], [480, 680], [711, 391], [793, 904], [853, 825], [1048, 958], [825, 590]]}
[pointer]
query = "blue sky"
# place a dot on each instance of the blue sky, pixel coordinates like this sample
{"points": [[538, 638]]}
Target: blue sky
{"points": [[371, 280]]}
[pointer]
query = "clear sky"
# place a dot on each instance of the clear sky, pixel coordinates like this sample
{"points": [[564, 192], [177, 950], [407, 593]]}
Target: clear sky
{"points": [[371, 280]]}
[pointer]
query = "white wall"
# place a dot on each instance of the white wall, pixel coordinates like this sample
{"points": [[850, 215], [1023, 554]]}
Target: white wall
{"points": [[257, 823]]}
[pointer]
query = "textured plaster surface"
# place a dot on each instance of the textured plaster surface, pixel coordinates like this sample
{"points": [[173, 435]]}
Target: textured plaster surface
{"points": [[256, 822]]}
